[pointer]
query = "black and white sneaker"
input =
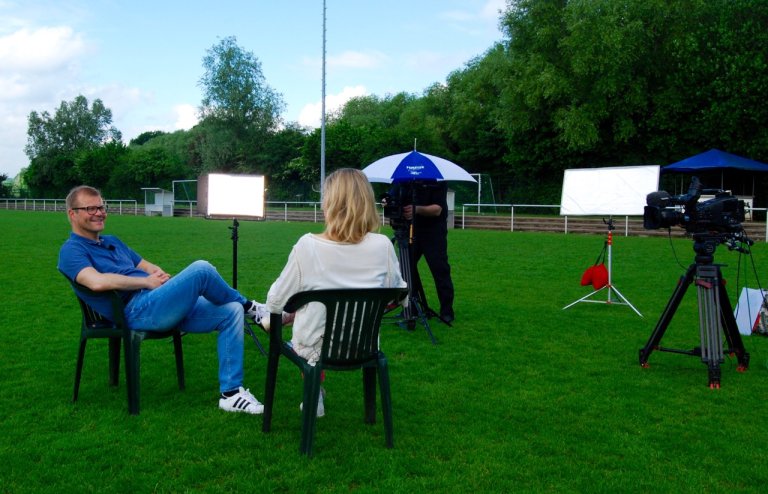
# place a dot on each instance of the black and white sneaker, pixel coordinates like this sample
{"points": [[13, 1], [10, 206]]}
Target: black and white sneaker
{"points": [[259, 313], [242, 401]]}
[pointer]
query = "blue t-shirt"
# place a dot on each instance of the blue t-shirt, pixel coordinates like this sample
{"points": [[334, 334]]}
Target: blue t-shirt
{"points": [[106, 255]]}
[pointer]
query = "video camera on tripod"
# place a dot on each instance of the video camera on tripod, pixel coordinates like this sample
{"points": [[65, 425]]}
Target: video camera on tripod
{"points": [[723, 213], [402, 194], [710, 223], [393, 203]]}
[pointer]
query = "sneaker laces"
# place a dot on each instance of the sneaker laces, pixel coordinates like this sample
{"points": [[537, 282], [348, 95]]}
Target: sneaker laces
{"points": [[259, 313]]}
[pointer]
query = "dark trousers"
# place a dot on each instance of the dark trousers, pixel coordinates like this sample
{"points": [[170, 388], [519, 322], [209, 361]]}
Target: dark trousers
{"points": [[433, 245]]}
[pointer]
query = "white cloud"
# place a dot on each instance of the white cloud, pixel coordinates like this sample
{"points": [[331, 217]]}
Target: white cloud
{"points": [[11, 87], [46, 49], [311, 113], [36, 64], [38, 68], [186, 116]]}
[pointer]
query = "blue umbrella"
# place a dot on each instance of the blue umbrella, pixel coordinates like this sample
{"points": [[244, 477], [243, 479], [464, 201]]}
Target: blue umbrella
{"points": [[415, 166]]}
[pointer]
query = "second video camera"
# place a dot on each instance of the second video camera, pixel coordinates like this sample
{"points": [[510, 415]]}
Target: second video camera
{"points": [[724, 213], [393, 203]]}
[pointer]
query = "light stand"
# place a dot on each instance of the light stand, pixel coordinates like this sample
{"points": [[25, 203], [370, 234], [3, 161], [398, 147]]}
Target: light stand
{"points": [[715, 314], [235, 238], [609, 288], [248, 327]]}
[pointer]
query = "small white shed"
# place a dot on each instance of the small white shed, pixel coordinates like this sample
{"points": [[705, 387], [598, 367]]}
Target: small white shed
{"points": [[157, 201]]}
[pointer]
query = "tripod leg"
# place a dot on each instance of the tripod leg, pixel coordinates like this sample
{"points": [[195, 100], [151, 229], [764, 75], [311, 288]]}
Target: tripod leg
{"points": [[415, 310], [418, 301], [419, 293], [707, 282], [421, 316], [666, 316], [406, 270], [731, 329], [414, 284]]}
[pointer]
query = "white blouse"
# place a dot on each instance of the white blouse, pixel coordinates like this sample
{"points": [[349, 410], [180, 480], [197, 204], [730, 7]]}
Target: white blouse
{"points": [[317, 263]]}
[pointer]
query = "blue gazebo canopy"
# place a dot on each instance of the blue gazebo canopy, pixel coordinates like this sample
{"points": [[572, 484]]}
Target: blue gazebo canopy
{"points": [[714, 159]]}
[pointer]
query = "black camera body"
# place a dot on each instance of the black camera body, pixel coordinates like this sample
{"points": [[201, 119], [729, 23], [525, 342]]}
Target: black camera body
{"points": [[406, 193], [724, 213], [393, 203]]}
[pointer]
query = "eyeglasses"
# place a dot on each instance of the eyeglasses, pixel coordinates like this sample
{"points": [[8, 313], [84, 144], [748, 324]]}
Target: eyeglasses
{"points": [[93, 209]]}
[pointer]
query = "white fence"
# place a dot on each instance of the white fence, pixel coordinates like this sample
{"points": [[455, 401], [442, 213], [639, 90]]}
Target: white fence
{"points": [[116, 206], [131, 206], [317, 212], [512, 207]]}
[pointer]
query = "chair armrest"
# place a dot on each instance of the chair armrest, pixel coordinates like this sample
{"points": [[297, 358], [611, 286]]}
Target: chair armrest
{"points": [[275, 330], [118, 308]]}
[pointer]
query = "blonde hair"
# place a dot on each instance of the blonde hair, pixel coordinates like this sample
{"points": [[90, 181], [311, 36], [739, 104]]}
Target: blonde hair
{"points": [[349, 206]]}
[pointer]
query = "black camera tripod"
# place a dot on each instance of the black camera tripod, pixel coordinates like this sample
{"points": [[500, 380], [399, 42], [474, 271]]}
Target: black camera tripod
{"points": [[715, 313], [417, 309]]}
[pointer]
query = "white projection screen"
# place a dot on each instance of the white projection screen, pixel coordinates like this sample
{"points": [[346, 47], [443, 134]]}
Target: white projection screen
{"points": [[617, 190], [224, 196]]}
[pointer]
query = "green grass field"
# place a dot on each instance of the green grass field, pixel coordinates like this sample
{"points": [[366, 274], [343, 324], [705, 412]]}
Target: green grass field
{"points": [[519, 396]]}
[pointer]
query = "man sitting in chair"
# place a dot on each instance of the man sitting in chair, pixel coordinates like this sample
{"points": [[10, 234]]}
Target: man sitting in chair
{"points": [[197, 300]]}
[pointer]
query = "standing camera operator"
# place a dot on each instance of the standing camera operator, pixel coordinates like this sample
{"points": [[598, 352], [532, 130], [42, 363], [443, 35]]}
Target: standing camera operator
{"points": [[429, 212]]}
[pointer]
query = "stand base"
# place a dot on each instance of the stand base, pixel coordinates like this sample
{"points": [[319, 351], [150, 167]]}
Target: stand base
{"points": [[406, 319], [621, 300], [609, 287]]}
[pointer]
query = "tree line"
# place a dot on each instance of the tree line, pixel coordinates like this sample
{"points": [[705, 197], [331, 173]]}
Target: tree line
{"points": [[572, 84]]}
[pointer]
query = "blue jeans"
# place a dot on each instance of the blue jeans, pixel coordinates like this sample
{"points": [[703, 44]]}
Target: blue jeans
{"points": [[197, 300]]}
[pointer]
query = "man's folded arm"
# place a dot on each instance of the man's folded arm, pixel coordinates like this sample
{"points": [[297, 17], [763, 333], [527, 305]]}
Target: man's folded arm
{"points": [[101, 282]]}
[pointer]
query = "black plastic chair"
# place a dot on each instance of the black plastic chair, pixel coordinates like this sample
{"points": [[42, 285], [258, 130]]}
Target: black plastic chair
{"points": [[94, 325], [350, 342]]}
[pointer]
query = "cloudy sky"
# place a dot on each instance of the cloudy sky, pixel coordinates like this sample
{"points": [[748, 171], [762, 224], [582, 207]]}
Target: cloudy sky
{"points": [[143, 59]]}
